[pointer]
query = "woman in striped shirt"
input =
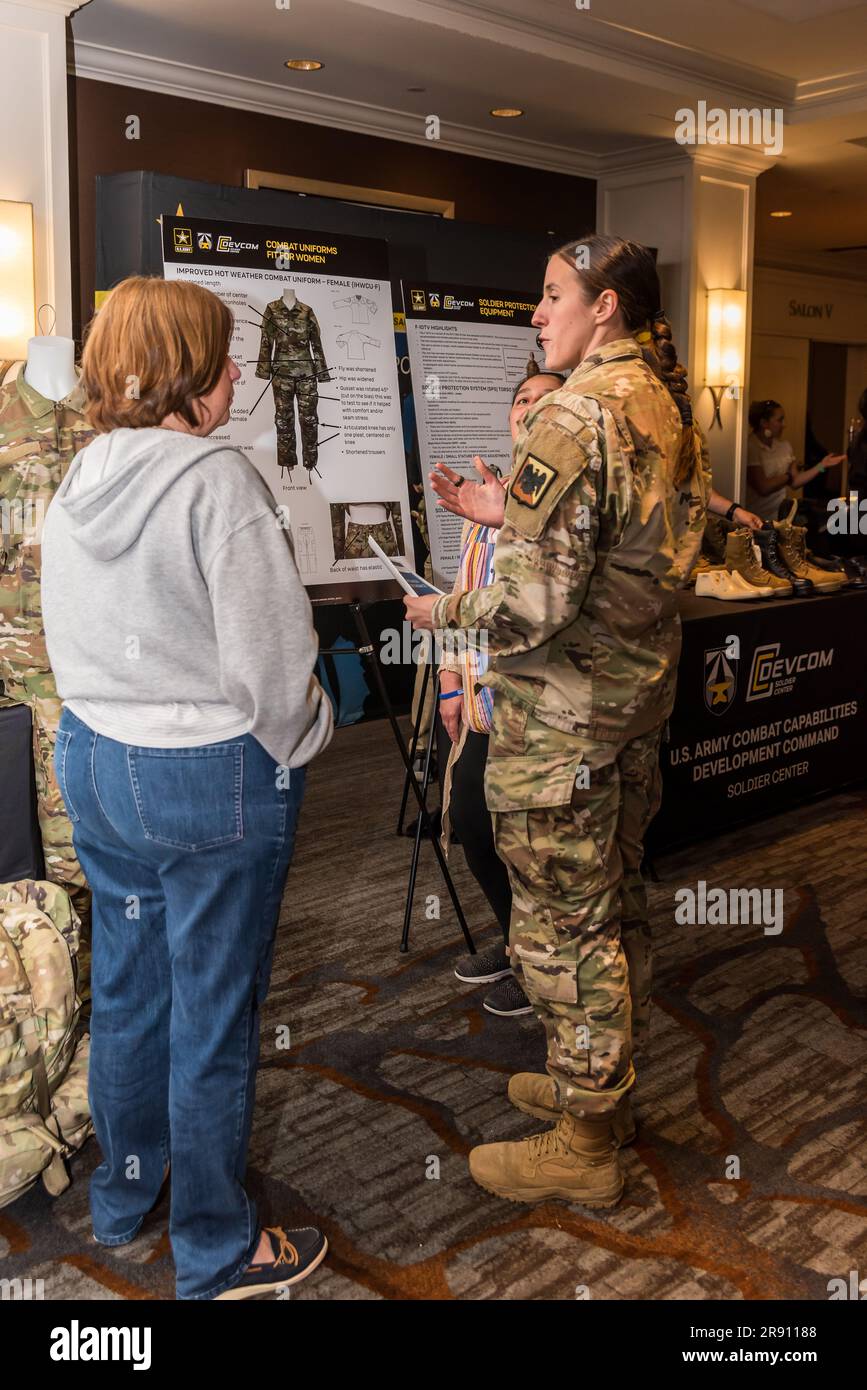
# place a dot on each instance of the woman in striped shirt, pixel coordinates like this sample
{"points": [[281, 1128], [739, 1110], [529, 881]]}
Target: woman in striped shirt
{"points": [[465, 712]]}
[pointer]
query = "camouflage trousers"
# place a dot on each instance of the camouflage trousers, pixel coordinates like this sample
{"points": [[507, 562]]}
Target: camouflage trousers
{"points": [[305, 390], [570, 817], [356, 545], [38, 691]]}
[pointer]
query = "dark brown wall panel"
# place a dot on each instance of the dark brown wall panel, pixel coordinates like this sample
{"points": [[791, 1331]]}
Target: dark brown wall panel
{"points": [[194, 139]]}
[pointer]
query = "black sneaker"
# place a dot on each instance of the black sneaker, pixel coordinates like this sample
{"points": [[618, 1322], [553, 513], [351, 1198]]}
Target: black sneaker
{"points": [[507, 1000], [296, 1254], [484, 968]]}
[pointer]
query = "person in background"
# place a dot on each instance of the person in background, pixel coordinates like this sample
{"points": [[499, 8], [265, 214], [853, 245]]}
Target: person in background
{"points": [[857, 453], [465, 709], [771, 463], [183, 644]]}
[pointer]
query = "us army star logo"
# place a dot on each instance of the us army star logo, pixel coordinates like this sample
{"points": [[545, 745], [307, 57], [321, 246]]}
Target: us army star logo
{"points": [[532, 482]]}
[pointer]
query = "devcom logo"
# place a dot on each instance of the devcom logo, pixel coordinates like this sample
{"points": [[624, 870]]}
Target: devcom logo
{"points": [[720, 679]]}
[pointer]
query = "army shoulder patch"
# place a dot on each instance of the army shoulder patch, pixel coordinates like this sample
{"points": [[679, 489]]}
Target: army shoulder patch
{"points": [[532, 481]]}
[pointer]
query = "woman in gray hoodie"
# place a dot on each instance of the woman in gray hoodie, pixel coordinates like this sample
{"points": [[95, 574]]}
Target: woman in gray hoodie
{"points": [[183, 647]]}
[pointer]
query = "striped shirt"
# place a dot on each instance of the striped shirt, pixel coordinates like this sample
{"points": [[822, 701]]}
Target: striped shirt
{"points": [[476, 572]]}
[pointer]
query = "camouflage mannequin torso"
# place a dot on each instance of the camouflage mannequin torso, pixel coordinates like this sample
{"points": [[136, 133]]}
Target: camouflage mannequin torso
{"points": [[38, 440]]}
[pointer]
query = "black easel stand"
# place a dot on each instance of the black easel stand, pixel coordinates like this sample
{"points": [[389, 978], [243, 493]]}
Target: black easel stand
{"points": [[416, 734], [367, 652]]}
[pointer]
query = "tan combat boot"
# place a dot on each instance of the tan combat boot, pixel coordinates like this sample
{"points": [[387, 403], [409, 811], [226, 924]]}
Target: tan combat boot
{"points": [[793, 545], [741, 559], [535, 1094], [713, 541], [576, 1160], [701, 566]]}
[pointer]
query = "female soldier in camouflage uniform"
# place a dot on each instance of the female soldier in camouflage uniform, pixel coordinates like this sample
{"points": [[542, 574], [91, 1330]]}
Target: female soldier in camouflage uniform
{"points": [[603, 521]]}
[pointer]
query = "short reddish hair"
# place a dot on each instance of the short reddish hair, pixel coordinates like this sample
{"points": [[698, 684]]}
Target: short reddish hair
{"points": [[152, 350]]}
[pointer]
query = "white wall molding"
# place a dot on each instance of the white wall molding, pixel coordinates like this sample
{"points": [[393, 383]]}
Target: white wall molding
{"points": [[61, 7], [838, 94], [145, 73]]}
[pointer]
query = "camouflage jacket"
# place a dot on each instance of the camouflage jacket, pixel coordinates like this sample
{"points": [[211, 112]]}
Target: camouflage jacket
{"points": [[583, 628], [38, 441], [290, 345]]}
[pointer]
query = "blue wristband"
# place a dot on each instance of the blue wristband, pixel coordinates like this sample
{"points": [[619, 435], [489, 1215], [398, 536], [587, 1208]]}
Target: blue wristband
{"points": [[450, 694]]}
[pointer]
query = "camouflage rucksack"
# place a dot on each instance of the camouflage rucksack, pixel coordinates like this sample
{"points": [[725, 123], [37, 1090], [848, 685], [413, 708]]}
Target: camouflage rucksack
{"points": [[44, 1114]]}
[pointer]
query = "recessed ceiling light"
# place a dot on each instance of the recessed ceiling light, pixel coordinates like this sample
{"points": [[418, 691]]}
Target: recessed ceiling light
{"points": [[507, 111], [781, 214], [303, 64]]}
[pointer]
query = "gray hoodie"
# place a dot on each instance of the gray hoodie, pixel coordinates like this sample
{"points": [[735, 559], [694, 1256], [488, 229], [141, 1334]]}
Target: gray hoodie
{"points": [[168, 576]]}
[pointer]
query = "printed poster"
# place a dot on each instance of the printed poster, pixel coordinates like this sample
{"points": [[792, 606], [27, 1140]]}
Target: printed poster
{"points": [[468, 350], [317, 407]]}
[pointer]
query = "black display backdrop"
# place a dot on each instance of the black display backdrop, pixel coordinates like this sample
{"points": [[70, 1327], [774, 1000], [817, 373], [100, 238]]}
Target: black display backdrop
{"points": [[421, 248], [762, 723]]}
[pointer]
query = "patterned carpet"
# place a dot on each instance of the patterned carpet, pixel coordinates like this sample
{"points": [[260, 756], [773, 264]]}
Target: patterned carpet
{"points": [[749, 1177]]}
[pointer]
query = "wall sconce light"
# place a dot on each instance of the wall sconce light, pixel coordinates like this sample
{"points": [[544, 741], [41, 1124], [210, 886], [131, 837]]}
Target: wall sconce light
{"points": [[725, 352], [17, 280]]}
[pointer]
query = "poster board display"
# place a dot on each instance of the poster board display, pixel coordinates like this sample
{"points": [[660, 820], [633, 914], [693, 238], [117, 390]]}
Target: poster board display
{"points": [[468, 349], [317, 405]]}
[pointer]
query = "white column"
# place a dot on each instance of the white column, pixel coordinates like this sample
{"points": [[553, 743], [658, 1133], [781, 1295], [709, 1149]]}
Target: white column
{"points": [[35, 163], [697, 207]]}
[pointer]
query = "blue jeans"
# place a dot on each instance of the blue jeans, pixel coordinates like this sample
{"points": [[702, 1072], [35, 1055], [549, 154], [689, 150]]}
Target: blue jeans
{"points": [[186, 851]]}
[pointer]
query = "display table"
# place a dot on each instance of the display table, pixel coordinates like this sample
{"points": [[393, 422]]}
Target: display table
{"points": [[771, 709]]}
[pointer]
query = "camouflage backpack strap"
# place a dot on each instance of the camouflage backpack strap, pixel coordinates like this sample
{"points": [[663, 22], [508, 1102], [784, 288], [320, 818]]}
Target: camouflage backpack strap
{"points": [[38, 1031]]}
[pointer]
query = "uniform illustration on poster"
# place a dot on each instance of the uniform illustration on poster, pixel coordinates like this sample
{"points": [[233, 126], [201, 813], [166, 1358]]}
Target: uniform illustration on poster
{"points": [[353, 524], [317, 408], [361, 307], [291, 359]]}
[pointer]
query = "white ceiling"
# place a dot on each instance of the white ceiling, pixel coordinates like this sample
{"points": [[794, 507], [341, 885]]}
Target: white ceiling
{"points": [[598, 85]]}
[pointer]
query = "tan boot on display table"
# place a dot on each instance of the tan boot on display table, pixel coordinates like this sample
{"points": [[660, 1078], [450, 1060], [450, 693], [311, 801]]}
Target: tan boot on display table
{"points": [[741, 558], [576, 1160], [701, 566], [792, 542], [731, 586], [535, 1094]]}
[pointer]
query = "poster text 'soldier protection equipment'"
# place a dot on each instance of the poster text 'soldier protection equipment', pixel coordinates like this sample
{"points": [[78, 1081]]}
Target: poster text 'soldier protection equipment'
{"points": [[290, 352], [38, 441], [584, 638]]}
